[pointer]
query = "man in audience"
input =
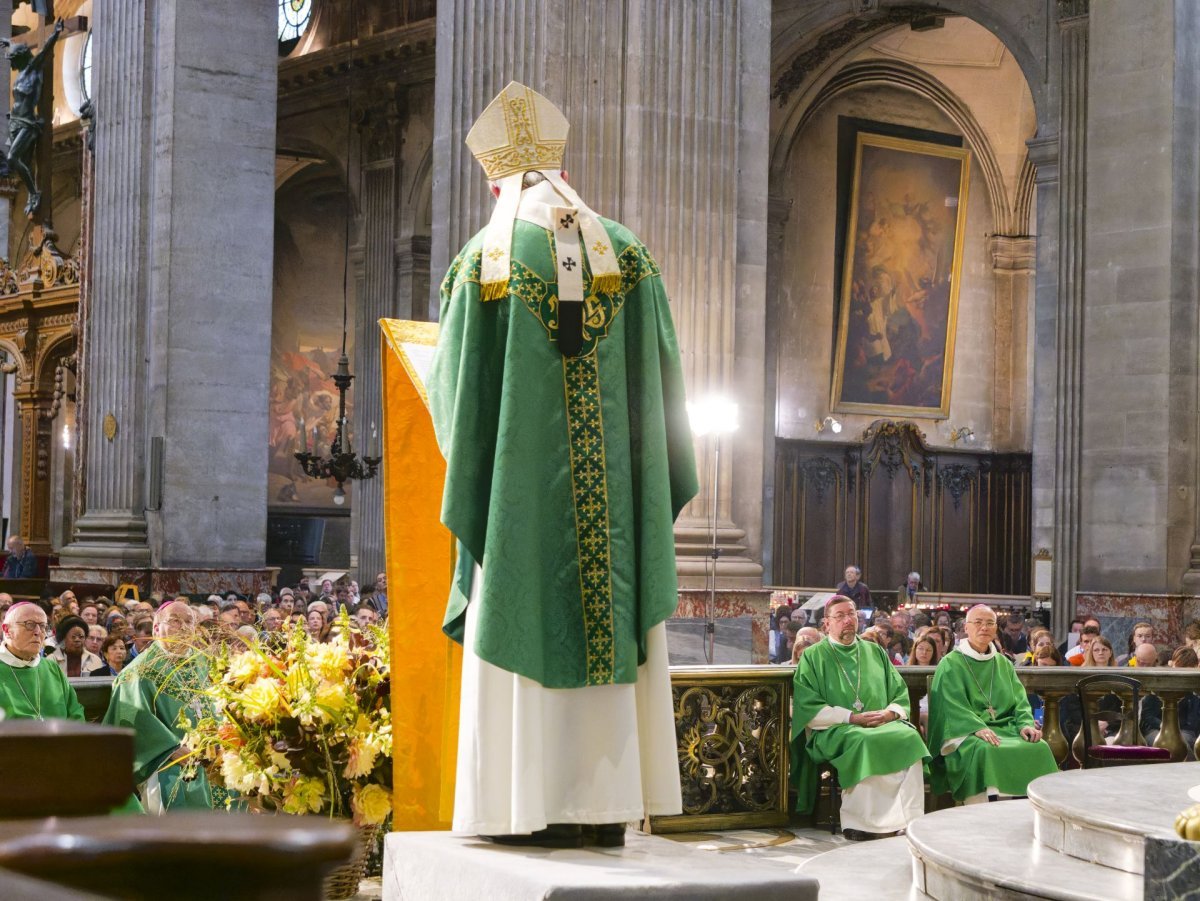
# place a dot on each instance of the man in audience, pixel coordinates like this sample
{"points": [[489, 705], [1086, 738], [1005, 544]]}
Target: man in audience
{"points": [[901, 623], [366, 616], [907, 593], [287, 602], [149, 695], [21, 562], [379, 599], [850, 707], [980, 724], [1014, 639], [143, 634], [1144, 655], [1142, 633], [89, 613], [1090, 632], [854, 588], [31, 686]]}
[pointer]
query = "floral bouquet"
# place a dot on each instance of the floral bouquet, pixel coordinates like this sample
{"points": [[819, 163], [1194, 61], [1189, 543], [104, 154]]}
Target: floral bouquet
{"points": [[304, 726]]}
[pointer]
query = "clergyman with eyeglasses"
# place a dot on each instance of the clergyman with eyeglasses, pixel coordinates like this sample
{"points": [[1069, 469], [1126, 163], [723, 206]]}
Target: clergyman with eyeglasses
{"points": [[981, 728], [32, 687], [850, 708]]}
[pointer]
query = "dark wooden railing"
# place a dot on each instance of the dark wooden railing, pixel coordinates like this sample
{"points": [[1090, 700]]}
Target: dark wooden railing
{"points": [[733, 724]]}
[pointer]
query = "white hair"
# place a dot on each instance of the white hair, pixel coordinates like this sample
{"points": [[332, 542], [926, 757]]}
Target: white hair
{"points": [[10, 616]]}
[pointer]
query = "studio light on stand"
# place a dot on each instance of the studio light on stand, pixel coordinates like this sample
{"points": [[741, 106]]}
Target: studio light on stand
{"points": [[716, 416]]}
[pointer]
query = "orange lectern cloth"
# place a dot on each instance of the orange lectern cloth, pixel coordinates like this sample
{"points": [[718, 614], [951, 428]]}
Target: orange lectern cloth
{"points": [[426, 665]]}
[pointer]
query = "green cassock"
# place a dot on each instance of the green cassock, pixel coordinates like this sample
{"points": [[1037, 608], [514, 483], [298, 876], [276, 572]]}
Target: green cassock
{"points": [[38, 692], [564, 475], [148, 697], [962, 691], [826, 676]]}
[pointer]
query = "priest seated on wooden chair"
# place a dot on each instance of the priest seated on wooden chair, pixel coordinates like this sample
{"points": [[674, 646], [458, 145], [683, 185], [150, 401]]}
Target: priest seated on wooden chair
{"points": [[980, 724], [850, 708]]}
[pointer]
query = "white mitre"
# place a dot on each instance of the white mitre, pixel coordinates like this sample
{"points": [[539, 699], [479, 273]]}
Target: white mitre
{"points": [[521, 131]]}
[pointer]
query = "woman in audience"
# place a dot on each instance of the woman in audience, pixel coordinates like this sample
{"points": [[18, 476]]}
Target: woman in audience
{"points": [[318, 629], [1047, 655], [924, 652], [70, 655], [112, 651], [899, 649], [1100, 653], [1184, 658]]}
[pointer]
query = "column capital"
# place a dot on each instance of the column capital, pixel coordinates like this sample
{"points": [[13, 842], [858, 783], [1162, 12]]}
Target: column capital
{"points": [[1043, 153], [1071, 12], [1013, 253]]}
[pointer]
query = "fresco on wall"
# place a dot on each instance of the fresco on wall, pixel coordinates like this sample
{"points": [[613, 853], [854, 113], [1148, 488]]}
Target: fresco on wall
{"points": [[903, 268], [303, 417]]}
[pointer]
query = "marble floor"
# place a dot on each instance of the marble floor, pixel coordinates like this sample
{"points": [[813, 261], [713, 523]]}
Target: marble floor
{"points": [[775, 847]]}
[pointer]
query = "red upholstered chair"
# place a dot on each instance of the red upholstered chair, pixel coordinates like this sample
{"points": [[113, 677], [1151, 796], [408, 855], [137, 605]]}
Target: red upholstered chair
{"points": [[1130, 747]]}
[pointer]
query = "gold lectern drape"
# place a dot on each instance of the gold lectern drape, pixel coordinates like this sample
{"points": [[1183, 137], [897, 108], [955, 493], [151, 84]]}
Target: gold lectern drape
{"points": [[426, 665]]}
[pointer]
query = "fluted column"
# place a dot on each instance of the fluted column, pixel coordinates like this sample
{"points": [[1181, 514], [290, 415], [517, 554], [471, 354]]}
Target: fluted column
{"points": [[112, 527], [380, 209], [1013, 262], [668, 106], [1072, 215]]}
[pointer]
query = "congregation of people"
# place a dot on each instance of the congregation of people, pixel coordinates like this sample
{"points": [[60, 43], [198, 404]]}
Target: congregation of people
{"points": [[978, 734], [158, 650]]}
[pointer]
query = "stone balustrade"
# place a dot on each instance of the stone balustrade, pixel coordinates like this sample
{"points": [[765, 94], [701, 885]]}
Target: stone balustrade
{"points": [[733, 725]]}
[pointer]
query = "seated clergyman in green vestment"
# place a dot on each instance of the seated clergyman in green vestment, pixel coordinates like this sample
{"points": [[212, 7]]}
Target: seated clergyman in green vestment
{"points": [[32, 687], [980, 724], [148, 696], [850, 707], [556, 393]]}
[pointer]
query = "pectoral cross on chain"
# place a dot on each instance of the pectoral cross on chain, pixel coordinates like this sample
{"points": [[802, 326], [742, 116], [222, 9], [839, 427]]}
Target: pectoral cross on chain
{"points": [[991, 713], [858, 705]]}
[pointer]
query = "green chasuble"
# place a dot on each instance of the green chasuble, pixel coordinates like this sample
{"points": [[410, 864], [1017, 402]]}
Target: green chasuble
{"points": [[564, 475], [39, 692], [828, 675], [962, 692], [148, 697]]}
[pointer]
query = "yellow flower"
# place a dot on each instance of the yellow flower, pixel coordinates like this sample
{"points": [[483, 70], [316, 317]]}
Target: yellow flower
{"points": [[305, 794], [330, 661], [330, 699], [362, 758], [243, 668], [261, 700], [371, 804], [237, 776]]}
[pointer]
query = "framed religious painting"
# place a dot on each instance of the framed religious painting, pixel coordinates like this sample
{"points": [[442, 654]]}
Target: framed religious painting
{"points": [[901, 271]]}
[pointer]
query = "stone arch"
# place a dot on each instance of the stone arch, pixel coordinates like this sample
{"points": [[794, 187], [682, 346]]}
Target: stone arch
{"points": [[1008, 219], [811, 43]]}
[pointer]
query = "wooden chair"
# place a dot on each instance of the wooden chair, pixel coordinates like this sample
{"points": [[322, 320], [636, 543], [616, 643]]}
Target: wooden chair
{"points": [[1130, 748]]}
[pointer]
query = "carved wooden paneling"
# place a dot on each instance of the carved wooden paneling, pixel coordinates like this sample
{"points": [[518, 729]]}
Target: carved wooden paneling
{"points": [[892, 504]]}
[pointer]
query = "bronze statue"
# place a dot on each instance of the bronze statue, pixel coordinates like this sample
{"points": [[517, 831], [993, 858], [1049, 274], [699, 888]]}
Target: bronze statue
{"points": [[24, 124]]}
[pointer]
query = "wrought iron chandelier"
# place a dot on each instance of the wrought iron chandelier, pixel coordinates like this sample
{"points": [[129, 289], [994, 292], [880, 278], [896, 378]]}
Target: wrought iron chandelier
{"points": [[342, 464]]}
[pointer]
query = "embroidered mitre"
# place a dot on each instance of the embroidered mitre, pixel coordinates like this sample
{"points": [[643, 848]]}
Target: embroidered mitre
{"points": [[521, 131]]}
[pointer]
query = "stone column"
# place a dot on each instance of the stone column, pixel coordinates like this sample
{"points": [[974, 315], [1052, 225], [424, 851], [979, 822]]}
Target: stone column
{"points": [[178, 333], [669, 106], [379, 141], [1013, 261], [213, 208], [111, 531], [1072, 211], [778, 211]]}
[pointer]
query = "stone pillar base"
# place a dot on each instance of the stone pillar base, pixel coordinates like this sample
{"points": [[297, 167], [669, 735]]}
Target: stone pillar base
{"points": [[248, 582], [693, 558], [108, 539]]}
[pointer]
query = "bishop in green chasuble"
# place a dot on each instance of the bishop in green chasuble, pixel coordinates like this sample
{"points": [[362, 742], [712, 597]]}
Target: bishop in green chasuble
{"points": [[32, 687], [557, 398], [850, 708], [161, 685], [980, 724]]}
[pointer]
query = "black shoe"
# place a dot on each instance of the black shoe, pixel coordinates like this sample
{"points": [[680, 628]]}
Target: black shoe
{"points": [[605, 835], [556, 835], [857, 835]]}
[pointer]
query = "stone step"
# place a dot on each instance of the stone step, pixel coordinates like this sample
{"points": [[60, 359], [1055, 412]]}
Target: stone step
{"points": [[880, 870], [441, 866], [1103, 815], [989, 851]]}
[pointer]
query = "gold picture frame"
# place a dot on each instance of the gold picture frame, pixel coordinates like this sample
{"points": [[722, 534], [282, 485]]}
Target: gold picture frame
{"points": [[901, 277]]}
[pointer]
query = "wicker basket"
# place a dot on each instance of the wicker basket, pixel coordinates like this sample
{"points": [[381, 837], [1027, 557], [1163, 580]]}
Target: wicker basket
{"points": [[342, 882]]}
